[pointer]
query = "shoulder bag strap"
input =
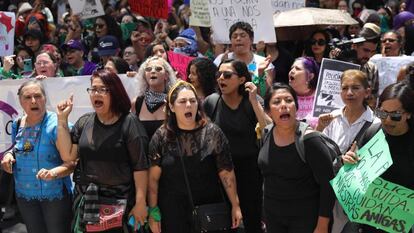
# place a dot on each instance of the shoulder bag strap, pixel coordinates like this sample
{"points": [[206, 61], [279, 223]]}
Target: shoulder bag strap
{"points": [[187, 183], [361, 132]]}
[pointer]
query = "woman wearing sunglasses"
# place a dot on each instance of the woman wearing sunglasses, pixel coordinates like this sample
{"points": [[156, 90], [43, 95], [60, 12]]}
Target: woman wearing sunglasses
{"points": [[43, 187], [155, 78], [237, 110], [317, 46], [395, 109], [188, 143], [110, 147]]}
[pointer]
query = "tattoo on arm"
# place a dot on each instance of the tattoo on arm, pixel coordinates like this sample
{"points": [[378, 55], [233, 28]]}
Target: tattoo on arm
{"points": [[228, 182]]}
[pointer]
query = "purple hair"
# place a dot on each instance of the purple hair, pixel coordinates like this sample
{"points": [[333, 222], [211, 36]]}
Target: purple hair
{"points": [[312, 67]]}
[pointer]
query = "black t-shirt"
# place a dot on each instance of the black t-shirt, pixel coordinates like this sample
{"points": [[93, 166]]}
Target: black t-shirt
{"points": [[296, 188], [109, 154]]}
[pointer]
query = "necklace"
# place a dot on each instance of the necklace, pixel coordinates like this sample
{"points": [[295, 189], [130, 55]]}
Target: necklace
{"points": [[31, 137]]}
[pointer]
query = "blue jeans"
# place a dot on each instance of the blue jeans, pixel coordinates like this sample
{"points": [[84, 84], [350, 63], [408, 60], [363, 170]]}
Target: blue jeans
{"points": [[46, 216]]}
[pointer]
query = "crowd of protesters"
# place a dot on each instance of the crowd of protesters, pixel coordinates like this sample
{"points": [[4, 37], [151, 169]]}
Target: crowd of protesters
{"points": [[180, 144]]}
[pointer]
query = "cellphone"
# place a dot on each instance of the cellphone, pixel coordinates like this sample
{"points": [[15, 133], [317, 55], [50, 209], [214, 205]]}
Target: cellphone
{"points": [[27, 66], [131, 222]]}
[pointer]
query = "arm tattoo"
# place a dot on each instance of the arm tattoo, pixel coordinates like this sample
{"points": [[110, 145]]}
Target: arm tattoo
{"points": [[228, 182]]}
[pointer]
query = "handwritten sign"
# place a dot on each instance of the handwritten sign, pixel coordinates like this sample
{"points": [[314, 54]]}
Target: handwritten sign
{"points": [[387, 206], [285, 5], [57, 89], [7, 30], [200, 16], [353, 181], [179, 62], [87, 8], [388, 68], [224, 13], [328, 89], [150, 8]]}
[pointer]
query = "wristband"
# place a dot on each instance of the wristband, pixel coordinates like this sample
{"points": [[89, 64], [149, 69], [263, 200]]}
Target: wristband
{"points": [[154, 213]]}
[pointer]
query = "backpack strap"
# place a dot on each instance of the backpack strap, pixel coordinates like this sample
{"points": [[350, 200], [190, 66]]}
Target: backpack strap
{"points": [[301, 128], [211, 109]]}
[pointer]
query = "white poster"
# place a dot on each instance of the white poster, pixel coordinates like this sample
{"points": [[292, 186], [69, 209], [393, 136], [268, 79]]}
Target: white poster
{"points": [[7, 30], [259, 14], [285, 5], [57, 89], [200, 16], [388, 68], [87, 8]]}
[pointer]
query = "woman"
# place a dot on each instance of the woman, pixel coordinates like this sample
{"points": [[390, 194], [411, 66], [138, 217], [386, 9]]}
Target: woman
{"points": [[201, 73], [395, 109], [117, 65], [108, 139], [297, 194], [46, 66], [391, 44], [317, 46], [14, 65], [158, 49], [42, 185], [155, 78], [205, 153], [303, 78], [131, 58], [237, 111], [348, 124]]}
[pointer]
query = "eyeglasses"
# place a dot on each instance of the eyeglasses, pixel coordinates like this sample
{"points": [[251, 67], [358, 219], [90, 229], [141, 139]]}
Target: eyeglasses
{"points": [[391, 40], [99, 91], [394, 116], [42, 63], [151, 68], [226, 74], [128, 53], [97, 25], [319, 42]]}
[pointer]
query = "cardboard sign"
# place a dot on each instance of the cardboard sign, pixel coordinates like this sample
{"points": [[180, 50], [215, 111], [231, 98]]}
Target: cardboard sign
{"points": [[57, 89], [328, 89], [7, 30], [150, 8], [200, 15], [179, 62], [259, 14], [285, 5], [87, 8]]}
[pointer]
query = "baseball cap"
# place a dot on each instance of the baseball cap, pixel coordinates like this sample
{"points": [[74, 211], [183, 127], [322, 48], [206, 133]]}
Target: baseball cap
{"points": [[188, 35], [73, 44], [108, 45]]}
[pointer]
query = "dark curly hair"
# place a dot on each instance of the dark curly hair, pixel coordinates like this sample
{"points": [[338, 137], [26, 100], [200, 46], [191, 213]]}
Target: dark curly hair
{"points": [[206, 72], [243, 26]]}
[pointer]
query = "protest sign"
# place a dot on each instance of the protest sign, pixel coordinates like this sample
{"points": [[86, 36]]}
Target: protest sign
{"points": [[150, 8], [179, 62], [7, 30], [352, 181], [387, 206], [388, 68], [328, 89], [200, 16], [57, 89], [87, 8], [285, 5], [259, 14]]}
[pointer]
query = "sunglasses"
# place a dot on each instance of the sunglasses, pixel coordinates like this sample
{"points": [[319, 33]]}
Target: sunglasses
{"points": [[319, 42], [226, 74], [151, 68], [388, 40], [99, 25], [394, 116]]}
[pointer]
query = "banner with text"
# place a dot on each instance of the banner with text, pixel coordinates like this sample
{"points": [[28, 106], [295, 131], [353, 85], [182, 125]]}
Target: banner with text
{"points": [[224, 13], [87, 8], [7, 30], [150, 8], [328, 89], [285, 5], [388, 68], [200, 16], [353, 180], [57, 89]]}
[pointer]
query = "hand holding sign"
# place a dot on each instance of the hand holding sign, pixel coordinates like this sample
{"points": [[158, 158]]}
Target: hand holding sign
{"points": [[350, 156]]}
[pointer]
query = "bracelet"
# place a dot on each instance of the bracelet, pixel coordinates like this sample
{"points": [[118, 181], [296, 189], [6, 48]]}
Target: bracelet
{"points": [[154, 213]]}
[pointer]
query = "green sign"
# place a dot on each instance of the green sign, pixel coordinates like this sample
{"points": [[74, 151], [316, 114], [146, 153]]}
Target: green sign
{"points": [[353, 180], [387, 206]]}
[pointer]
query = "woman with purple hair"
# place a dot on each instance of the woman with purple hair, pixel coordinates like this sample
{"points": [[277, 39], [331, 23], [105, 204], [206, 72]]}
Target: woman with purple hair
{"points": [[303, 77]]}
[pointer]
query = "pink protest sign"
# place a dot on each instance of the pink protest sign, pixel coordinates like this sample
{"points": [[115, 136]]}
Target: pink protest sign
{"points": [[150, 8], [179, 62]]}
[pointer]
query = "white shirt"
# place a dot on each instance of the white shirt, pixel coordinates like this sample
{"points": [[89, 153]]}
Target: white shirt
{"points": [[253, 63], [344, 133]]}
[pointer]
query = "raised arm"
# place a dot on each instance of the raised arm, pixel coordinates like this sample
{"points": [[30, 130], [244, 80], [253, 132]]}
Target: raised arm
{"points": [[67, 150]]}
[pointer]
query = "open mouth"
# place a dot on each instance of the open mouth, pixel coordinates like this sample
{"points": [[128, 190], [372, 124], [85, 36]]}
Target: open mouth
{"points": [[153, 77], [285, 116], [291, 78], [222, 85], [98, 103], [188, 115], [34, 108]]}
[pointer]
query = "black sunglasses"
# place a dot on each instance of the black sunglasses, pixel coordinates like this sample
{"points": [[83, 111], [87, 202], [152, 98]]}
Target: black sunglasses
{"points": [[320, 42], [391, 40], [394, 116], [226, 74]]}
